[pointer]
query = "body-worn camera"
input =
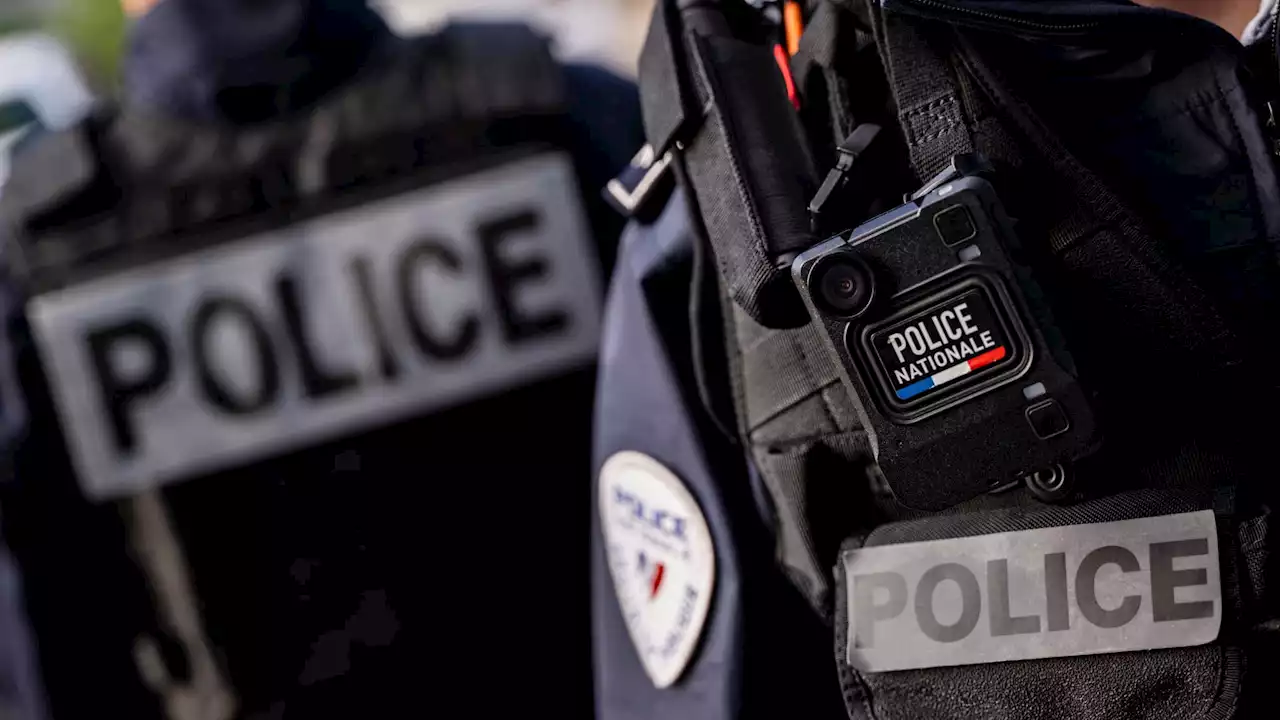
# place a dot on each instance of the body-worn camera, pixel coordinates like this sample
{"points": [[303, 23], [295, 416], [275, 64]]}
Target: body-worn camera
{"points": [[961, 377]]}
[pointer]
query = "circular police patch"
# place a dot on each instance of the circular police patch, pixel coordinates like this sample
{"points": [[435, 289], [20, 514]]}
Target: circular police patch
{"points": [[661, 558]]}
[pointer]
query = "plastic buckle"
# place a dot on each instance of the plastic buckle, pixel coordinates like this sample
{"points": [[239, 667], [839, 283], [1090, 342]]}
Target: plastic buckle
{"points": [[966, 165], [631, 192], [848, 153]]}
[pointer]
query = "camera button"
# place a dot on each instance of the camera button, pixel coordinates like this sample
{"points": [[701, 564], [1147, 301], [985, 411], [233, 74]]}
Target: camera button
{"points": [[1048, 419], [955, 225]]}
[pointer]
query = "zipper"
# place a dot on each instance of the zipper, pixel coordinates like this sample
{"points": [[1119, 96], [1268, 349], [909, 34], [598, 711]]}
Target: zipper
{"points": [[956, 9], [1275, 37], [1273, 129]]}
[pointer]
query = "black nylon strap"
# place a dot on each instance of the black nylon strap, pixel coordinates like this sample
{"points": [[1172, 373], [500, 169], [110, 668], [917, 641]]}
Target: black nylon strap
{"points": [[783, 368], [925, 89], [666, 102], [819, 52], [749, 167]]}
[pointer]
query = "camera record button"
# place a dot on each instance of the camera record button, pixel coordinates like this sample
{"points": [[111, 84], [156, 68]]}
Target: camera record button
{"points": [[1048, 419], [955, 225]]}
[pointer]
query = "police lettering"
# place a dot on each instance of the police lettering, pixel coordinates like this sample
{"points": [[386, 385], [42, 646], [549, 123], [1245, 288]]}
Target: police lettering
{"points": [[938, 342], [923, 337], [136, 358], [667, 523], [882, 596]]}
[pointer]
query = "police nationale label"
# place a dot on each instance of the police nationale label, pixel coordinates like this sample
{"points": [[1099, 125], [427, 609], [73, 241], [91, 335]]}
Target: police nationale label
{"points": [[661, 559], [335, 325], [1076, 590], [948, 345]]}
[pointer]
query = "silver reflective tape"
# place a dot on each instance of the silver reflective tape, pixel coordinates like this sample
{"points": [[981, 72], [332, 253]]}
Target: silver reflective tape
{"points": [[331, 326], [1075, 590]]}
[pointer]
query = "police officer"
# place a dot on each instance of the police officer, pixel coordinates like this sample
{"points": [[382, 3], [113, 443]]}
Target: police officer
{"points": [[718, 474], [308, 343]]}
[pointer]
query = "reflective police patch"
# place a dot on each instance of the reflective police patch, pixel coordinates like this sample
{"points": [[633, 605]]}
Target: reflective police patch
{"points": [[661, 558], [330, 326], [1076, 590]]}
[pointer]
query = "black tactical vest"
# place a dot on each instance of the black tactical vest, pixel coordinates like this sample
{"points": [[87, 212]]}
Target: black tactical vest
{"points": [[1131, 144], [309, 401]]}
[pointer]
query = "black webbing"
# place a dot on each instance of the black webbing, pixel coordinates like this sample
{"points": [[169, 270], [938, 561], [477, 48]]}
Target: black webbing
{"points": [[749, 167], [925, 89], [819, 52], [1106, 239], [667, 104]]}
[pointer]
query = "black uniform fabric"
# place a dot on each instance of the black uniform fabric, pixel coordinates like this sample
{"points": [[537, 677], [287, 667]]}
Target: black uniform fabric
{"points": [[245, 61], [761, 653], [1134, 303], [1131, 146], [403, 571]]}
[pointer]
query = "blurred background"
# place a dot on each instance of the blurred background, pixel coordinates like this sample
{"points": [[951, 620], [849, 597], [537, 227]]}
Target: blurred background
{"points": [[56, 55], [605, 31], [56, 58]]}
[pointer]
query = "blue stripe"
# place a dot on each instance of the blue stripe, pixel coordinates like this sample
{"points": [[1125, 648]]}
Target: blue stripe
{"points": [[915, 389]]}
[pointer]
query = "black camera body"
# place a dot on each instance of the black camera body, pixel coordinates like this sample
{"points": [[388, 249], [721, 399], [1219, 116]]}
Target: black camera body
{"points": [[963, 381]]}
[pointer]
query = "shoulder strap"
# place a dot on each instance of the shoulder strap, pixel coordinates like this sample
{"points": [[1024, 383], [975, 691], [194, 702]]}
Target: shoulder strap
{"points": [[712, 91], [924, 87]]}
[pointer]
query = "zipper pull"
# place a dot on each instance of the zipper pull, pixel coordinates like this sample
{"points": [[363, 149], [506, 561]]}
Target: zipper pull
{"points": [[1273, 128]]}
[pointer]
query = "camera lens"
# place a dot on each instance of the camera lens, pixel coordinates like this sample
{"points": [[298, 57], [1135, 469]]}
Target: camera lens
{"points": [[843, 285]]}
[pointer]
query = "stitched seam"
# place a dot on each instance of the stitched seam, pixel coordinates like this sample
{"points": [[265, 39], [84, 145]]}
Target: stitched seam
{"points": [[930, 138], [826, 393], [1199, 104], [787, 445], [756, 343], [910, 121], [826, 406], [945, 100], [949, 107]]}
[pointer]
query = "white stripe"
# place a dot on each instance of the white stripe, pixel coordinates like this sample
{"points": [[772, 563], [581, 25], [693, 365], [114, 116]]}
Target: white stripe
{"points": [[951, 373]]}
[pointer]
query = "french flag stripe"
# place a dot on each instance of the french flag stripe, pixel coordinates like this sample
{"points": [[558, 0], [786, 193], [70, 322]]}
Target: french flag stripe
{"points": [[957, 371]]}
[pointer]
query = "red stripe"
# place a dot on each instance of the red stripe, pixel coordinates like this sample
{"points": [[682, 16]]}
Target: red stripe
{"points": [[784, 66], [657, 582], [987, 358]]}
